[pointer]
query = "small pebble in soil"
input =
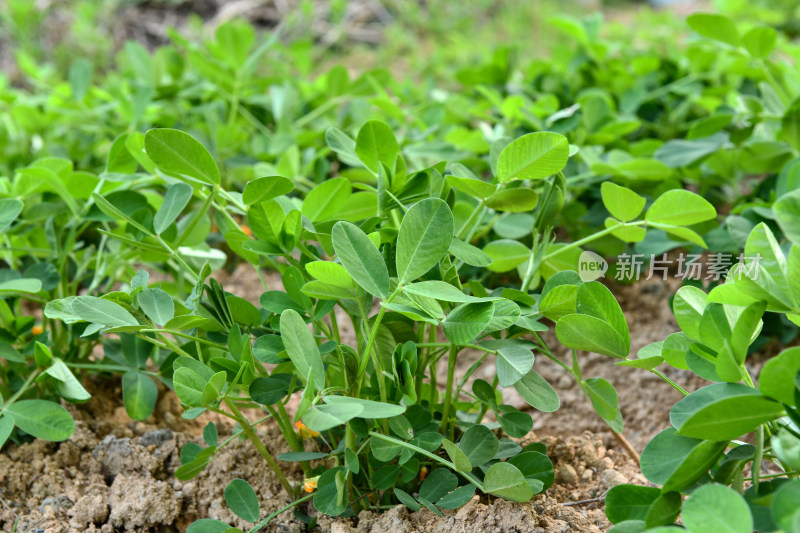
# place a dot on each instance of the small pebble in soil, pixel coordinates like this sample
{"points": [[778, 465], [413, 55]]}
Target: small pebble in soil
{"points": [[612, 478], [567, 474], [155, 437]]}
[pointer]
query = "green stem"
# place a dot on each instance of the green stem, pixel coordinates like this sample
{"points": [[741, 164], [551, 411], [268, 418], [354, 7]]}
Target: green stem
{"points": [[469, 477], [185, 336], [669, 381], [262, 450], [175, 255], [260, 526], [368, 352], [448, 398], [590, 238], [484, 407], [756, 469], [550, 355], [21, 390], [478, 211], [196, 217]]}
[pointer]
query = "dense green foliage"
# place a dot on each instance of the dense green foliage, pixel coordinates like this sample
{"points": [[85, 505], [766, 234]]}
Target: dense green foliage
{"points": [[436, 219]]}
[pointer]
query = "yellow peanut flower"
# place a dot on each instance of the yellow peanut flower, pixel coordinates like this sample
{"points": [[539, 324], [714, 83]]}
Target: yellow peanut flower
{"points": [[305, 432], [310, 484]]}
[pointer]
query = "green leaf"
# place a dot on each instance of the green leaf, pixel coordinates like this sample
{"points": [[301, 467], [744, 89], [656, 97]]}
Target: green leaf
{"points": [[458, 457], [676, 462], [625, 233], [537, 469], [325, 200], [604, 398], [471, 255], [139, 394], [42, 419], [679, 153], [211, 434], [533, 156], [100, 311], [589, 333], [506, 481], [506, 254], [323, 291], [424, 237], [596, 300], [330, 273], [21, 285], [723, 411], [266, 188], [760, 41], [516, 423], [6, 427], [479, 445], [665, 510], [787, 447], [713, 26], [407, 500], [180, 153], [621, 202], [80, 77], [361, 259], [559, 301], [785, 510], [370, 408], [516, 200], [208, 525], [457, 498], [376, 144], [717, 508], [787, 213], [629, 502], [242, 500], [343, 145], [385, 477], [506, 314], [157, 304], [467, 321], [351, 459], [441, 290], [777, 378], [10, 208], [688, 305], [514, 361], [437, 485], [68, 385], [679, 207], [175, 200], [184, 322], [472, 186], [535, 390], [189, 386], [269, 390], [383, 450], [302, 348], [771, 280], [324, 417]]}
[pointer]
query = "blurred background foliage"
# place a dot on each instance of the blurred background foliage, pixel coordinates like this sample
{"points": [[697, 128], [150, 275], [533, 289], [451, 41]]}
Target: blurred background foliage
{"points": [[419, 38]]}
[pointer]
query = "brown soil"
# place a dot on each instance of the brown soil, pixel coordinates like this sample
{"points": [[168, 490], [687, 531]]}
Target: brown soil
{"points": [[117, 475], [114, 474]]}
